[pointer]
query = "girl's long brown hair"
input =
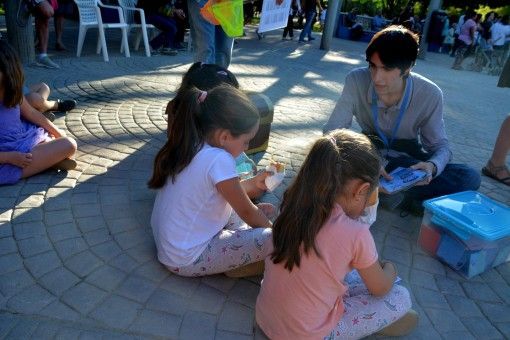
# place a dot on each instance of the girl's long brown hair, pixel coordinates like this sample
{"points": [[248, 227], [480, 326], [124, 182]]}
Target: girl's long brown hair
{"points": [[334, 160], [224, 107], [12, 75]]}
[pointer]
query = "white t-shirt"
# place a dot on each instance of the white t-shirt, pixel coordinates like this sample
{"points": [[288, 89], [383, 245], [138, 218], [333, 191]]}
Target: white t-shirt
{"points": [[188, 213], [499, 33]]}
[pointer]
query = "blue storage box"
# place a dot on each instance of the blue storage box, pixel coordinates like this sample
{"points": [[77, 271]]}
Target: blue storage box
{"points": [[474, 231]]}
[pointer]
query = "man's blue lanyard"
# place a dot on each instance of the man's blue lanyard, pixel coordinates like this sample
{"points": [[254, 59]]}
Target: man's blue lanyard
{"points": [[403, 107]]}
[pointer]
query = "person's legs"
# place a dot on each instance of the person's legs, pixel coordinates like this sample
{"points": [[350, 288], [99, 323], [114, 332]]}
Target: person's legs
{"points": [[38, 98], [459, 55], [223, 47], [167, 27], [44, 12], [230, 249], [59, 28], [42, 18], [202, 34], [48, 154], [308, 26], [496, 165], [366, 314]]}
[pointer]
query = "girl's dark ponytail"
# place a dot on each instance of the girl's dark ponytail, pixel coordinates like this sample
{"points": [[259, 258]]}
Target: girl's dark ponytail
{"points": [[197, 116], [185, 139]]}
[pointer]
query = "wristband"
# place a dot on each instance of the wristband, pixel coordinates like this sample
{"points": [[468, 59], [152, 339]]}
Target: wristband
{"points": [[434, 170]]}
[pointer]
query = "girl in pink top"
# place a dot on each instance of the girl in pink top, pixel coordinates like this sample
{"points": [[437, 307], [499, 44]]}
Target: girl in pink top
{"points": [[308, 291], [466, 39]]}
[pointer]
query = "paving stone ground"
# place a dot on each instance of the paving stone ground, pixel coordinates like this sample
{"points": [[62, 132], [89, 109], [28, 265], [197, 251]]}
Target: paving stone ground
{"points": [[77, 258]]}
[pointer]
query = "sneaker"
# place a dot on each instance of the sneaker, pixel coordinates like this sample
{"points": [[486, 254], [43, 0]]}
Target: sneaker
{"points": [[65, 105], [46, 62], [300, 41], [402, 326], [311, 38]]}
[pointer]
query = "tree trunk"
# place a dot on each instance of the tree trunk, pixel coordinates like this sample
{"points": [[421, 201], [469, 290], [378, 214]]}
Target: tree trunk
{"points": [[329, 27], [20, 37]]}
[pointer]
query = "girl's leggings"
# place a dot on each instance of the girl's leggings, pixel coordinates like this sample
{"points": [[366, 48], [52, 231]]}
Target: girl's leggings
{"points": [[236, 245], [366, 314]]}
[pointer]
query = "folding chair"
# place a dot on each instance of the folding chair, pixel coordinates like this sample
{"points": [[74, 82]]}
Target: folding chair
{"points": [[90, 16], [129, 8]]}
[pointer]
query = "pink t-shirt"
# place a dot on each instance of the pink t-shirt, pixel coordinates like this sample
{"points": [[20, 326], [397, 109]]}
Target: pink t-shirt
{"points": [[307, 302], [465, 31]]}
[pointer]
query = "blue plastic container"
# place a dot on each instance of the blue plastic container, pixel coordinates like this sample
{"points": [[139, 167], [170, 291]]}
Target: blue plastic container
{"points": [[474, 231]]}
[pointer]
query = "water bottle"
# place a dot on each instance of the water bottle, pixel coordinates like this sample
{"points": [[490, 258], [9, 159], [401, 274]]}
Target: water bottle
{"points": [[245, 167]]}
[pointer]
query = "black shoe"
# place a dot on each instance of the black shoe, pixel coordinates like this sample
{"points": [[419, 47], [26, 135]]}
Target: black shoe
{"points": [[411, 206], [65, 105], [180, 47], [391, 202], [311, 38]]}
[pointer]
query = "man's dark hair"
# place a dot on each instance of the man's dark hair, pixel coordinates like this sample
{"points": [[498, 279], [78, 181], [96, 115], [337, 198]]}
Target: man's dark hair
{"points": [[396, 45]]}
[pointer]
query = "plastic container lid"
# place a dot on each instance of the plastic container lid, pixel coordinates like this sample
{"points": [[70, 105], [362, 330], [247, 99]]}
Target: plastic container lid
{"points": [[470, 213]]}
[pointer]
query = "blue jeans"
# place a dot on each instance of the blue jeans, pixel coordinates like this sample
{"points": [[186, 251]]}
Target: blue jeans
{"points": [[454, 178], [211, 44], [307, 30], [167, 27]]}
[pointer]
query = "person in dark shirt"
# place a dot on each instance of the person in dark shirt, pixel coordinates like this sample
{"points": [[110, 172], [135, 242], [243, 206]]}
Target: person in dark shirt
{"points": [[310, 9], [165, 15]]}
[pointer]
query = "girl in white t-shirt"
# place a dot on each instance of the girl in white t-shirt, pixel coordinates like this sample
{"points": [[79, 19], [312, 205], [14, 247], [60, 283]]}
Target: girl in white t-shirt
{"points": [[309, 291], [200, 196]]}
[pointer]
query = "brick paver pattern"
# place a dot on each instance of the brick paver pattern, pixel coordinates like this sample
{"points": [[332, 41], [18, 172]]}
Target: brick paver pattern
{"points": [[77, 258]]}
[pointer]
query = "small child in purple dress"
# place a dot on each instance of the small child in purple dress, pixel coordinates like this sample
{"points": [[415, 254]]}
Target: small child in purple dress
{"points": [[29, 142]]}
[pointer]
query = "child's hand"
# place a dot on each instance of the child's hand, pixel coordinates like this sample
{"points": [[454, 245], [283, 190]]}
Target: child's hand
{"points": [[58, 133], [268, 209], [20, 159], [389, 268], [260, 180]]}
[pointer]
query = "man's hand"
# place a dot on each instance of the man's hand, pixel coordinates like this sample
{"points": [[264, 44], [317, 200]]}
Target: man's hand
{"points": [[428, 167], [20, 159], [387, 177], [279, 2]]}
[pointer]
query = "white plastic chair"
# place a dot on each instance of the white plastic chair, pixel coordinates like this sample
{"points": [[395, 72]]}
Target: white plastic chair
{"points": [[90, 16], [129, 8]]}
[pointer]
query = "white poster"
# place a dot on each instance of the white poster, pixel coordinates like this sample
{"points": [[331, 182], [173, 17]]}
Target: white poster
{"points": [[274, 16]]}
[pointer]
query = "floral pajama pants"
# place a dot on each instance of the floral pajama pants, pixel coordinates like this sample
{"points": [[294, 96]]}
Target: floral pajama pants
{"points": [[236, 245], [366, 314]]}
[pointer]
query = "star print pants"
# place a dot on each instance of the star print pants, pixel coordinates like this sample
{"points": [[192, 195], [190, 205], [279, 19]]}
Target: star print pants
{"points": [[366, 314], [236, 245]]}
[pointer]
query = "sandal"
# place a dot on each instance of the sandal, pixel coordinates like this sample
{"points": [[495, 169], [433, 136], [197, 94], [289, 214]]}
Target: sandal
{"points": [[490, 170], [65, 105]]}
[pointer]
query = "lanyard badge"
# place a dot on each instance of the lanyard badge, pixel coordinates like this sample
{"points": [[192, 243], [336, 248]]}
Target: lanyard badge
{"points": [[375, 114]]}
